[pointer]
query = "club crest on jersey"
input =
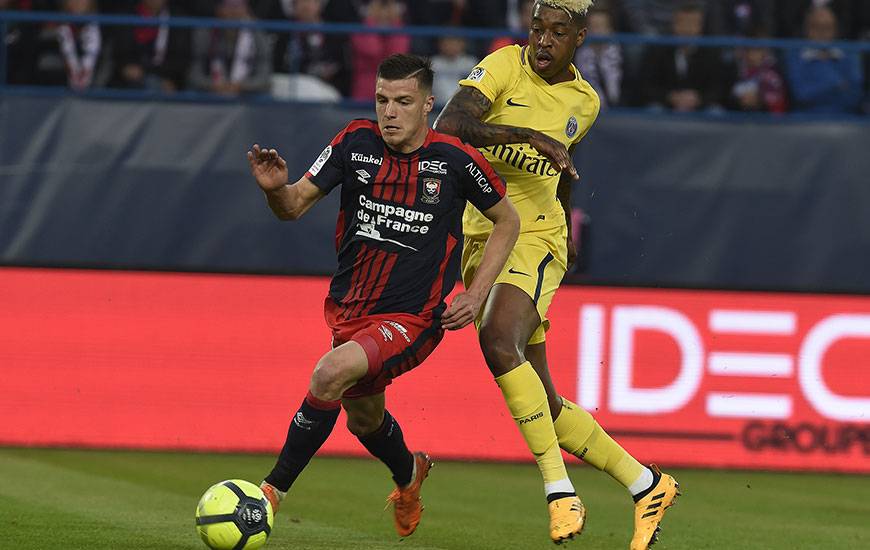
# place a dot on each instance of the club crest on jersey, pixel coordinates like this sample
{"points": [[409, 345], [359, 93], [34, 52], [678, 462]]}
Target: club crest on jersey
{"points": [[477, 74], [571, 128], [431, 190]]}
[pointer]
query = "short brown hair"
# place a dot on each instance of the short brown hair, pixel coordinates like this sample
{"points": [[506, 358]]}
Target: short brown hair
{"points": [[401, 66]]}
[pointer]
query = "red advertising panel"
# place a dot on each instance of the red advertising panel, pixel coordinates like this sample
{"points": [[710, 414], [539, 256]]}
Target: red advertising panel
{"points": [[220, 362]]}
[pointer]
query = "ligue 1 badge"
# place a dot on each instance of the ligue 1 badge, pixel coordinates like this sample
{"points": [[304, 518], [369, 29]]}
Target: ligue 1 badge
{"points": [[477, 74], [571, 128], [431, 190], [321, 160]]}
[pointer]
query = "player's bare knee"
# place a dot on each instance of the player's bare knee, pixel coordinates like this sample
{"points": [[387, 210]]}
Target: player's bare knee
{"points": [[500, 350], [327, 380]]}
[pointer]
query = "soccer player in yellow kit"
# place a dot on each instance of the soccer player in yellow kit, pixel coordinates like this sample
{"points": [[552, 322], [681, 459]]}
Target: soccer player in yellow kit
{"points": [[526, 108]]}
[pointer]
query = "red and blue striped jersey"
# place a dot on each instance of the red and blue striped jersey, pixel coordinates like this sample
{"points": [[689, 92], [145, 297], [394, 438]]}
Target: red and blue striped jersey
{"points": [[399, 230]]}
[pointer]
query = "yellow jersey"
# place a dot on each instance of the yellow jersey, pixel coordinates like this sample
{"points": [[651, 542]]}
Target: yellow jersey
{"points": [[564, 111]]}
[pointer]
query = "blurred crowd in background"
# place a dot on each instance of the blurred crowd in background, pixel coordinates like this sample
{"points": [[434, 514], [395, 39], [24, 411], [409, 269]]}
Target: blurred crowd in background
{"points": [[328, 66]]}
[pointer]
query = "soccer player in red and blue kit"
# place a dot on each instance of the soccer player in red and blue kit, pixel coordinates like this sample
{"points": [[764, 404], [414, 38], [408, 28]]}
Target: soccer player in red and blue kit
{"points": [[404, 188]]}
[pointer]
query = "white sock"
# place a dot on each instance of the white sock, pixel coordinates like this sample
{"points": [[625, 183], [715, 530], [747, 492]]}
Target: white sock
{"points": [[561, 486], [642, 483]]}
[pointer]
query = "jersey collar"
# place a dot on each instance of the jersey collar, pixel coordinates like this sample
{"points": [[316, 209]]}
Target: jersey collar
{"points": [[430, 134]]}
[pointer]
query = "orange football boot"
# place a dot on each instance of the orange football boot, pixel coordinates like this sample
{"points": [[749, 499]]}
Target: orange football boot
{"points": [[407, 506], [273, 495]]}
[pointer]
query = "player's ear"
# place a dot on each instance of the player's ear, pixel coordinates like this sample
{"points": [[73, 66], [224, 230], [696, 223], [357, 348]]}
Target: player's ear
{"points": [[581, 36], [429, 104]]}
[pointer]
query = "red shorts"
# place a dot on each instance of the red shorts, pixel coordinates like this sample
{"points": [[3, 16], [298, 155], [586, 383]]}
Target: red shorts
{"points": [[394, 344]]}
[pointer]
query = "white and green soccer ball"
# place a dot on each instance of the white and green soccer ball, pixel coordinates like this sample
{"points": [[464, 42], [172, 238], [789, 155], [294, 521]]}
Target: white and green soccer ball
{"points": [[234, 515]]}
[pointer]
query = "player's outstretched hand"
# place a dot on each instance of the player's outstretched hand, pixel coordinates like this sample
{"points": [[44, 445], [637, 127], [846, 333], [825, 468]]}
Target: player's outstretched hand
{"points": [[555, 152], [268, 168], [461, 311]]}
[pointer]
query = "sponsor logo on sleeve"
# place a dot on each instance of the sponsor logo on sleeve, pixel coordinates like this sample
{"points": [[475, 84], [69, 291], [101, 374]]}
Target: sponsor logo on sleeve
{"points": [[478, 176], [321, 160]]}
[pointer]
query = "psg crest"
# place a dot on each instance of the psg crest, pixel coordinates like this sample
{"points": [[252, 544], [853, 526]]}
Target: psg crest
{"points": [[571, 128], [431, 190]]}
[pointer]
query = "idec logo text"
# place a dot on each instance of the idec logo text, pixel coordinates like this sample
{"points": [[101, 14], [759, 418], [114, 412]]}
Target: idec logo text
{"points": [[701, 358]]}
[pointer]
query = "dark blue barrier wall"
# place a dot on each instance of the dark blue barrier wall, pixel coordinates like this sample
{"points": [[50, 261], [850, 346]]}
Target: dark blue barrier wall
{"points": [[767, 203], [673, 201], [156, 185]]}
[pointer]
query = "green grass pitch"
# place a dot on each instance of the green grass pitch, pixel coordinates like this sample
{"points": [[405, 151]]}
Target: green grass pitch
{"points": [[70, 499]]}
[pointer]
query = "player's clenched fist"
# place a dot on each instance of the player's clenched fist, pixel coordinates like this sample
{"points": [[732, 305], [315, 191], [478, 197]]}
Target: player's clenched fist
{"points": [[268, 168]]}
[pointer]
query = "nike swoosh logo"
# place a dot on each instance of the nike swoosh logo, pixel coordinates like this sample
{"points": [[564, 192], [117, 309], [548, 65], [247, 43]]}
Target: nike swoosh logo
{"points": [[511, 102], [512, 270]]}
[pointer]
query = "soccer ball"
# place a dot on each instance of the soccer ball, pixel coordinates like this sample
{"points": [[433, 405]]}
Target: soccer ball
{"points": [[234, 515]]}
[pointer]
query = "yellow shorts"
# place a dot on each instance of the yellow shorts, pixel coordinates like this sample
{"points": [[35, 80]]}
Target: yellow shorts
{"points": [[536, 265]]}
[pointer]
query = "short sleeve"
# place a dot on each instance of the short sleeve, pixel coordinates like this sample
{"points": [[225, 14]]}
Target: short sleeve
{"points": [[480, 183], [495, 73], [328, 170], [589, 116]]}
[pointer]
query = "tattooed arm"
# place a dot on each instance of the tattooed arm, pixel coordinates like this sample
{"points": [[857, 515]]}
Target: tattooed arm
{"points": [[462, 115], [461, 118]]}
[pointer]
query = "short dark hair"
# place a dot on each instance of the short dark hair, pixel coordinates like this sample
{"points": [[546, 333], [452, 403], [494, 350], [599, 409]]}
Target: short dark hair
{"points": [[401, 66]]}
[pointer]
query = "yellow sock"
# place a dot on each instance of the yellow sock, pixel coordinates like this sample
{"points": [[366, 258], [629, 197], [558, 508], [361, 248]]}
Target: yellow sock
{"points": [[583, 437], [527, 400]]}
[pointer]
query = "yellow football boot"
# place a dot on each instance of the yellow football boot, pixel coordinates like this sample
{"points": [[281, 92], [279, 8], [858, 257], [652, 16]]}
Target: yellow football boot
{"points": [[567, 518], [649, 510]]}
